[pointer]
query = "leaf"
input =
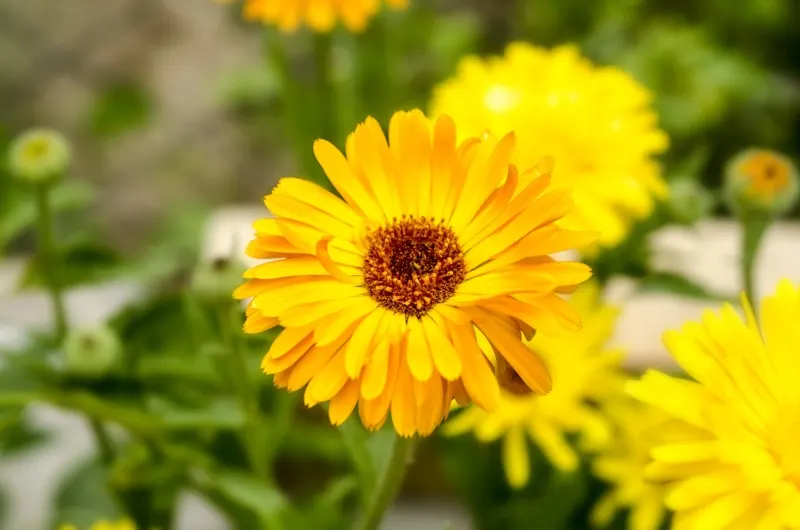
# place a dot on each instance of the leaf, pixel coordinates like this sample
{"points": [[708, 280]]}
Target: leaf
{"points": [[266, 502], [220, 414], [82, 262], [105, 409], [364, 454], [668, 282], [119, 109], [82, 497]]}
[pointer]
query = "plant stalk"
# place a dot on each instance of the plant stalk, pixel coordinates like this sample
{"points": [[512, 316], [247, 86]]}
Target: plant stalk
{"points": [[754, 227], [49, 260], [388, 485]]}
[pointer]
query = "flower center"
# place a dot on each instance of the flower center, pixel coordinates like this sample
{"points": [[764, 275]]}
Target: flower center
{"points": [[413, 264]]}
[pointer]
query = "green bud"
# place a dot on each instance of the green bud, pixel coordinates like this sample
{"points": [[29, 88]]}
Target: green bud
{"points": [[761, 181], [91, 352], [39, 156], [215, 280], [689, 201]]}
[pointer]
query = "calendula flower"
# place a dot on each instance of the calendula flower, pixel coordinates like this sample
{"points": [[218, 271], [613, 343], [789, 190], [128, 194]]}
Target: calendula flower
{"points": [[381, 293], [761, 180], [730, 454], [597, 122], [123, 524], [622, 463], [319, 15], [585, 372]]}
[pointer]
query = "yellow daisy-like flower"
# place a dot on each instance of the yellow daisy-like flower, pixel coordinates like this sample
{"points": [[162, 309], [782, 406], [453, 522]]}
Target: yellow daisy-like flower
{"points": [[319, 15], [381, 294], [123, 524], [597, 122], [622, 464], [585, 371], [730, 453]]}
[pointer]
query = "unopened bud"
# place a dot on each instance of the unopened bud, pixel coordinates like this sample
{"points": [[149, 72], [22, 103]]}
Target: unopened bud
{"points": [[215, 280], [761, 181], [91, 352], [39, 156], [689, 201]]}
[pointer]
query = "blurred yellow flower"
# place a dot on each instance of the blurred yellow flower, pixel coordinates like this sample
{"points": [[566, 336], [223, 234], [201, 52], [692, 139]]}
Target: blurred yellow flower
{"points": [[380, 293], [123, 524], [584, 371], [762, 179], [319, 15], [622, 464], [730, 456], [596, 121]]}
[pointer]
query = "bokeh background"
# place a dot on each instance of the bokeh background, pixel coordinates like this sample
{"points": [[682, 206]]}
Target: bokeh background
{"points": [[174, 112]]}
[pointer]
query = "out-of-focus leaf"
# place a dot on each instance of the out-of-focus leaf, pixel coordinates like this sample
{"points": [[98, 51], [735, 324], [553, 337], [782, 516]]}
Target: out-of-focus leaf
{"points": [[668, 282], [247, 492], [199, 369], [220, 414], [18, 210], [17, 434], [253, 87], [153, 325], [118, 109], [82, 262], [82, 497], [364, 453], [105, 409]]}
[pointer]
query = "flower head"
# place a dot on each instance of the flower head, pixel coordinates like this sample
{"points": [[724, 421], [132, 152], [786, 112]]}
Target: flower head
{"points": [[730, 451], [762, 180], [122, 524], [39, 155], [381, 294], [91, 352], [597, 122], [585, 372], [319, 15], [622, 463]]}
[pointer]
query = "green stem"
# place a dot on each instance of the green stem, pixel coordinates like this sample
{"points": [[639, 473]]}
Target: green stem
{"points": [[388, 485], [104, 443], [245, 390], [49, 260], [325, 87], [753, 229]]}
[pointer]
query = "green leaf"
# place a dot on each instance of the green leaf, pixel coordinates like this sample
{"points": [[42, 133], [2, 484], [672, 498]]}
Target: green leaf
{"points": [[244, 490], [82, 497], [82, 261], [17, 434], [668, 282], [107, 410], [119, 109], [220, 414]]}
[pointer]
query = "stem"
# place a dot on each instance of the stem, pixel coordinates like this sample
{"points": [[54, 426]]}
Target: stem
{"points": [[49, 260], [246, 393], [753, 229], [104, 443], [389, 484], [325, 87]]}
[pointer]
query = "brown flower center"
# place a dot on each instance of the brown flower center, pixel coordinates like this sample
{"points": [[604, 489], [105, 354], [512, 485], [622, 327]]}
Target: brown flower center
{"points": [[413, 264]]}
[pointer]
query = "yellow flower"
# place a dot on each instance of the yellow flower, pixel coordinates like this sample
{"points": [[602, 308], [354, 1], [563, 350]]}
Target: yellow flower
{"points": [[762, 179], [122, 524], [597, 122], [584, 371], [622, 464], [730, 454], [319, 15], [381, 293]]}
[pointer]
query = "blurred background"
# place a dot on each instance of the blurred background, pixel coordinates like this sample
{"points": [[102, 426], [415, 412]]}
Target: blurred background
{"points": [[177, 125]]}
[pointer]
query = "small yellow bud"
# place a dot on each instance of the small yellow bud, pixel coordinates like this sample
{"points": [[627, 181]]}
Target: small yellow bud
{"points": [[761, 181], [39, 156]]}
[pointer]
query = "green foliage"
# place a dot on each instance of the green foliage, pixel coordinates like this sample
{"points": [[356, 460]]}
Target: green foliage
{"points": [[119, 109], [82, 496]]}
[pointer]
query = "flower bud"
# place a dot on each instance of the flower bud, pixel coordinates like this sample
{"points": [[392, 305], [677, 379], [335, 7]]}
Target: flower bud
{"points": [[761, 181], [689, 201], [91, 352], [39, 156], [214, 281]]}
